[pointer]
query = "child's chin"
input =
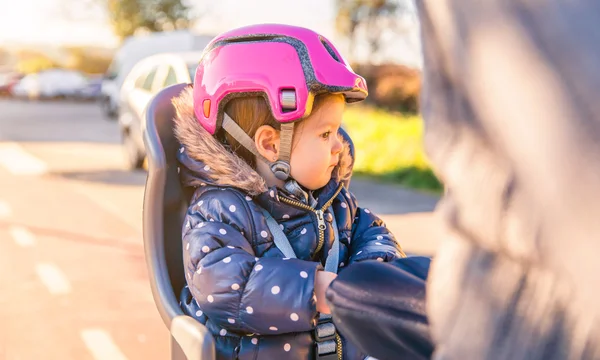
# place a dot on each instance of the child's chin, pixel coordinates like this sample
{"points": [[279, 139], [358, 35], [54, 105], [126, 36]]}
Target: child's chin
{"points": [[321, 184], [316, 185]]}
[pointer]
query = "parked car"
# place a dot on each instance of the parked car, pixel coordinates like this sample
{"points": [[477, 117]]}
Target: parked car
{"points": [[61, 83], [148, 77], [27, 88], [50, 84], [91, 90], [8, 81], [136, 48]]}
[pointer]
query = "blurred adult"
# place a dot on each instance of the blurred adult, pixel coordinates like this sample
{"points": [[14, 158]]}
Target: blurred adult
{"points": [[513, 130]]}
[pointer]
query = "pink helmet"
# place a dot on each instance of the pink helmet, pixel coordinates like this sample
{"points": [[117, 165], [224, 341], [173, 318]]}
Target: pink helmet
{"points": [[288, 65]]}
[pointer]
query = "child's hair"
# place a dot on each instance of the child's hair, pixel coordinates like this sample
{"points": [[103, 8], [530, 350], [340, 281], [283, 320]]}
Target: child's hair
{"points": [[250, 113]]}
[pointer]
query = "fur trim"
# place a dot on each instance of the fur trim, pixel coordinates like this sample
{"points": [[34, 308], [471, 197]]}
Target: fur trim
{"points": [[227, 168], [344, 167]]}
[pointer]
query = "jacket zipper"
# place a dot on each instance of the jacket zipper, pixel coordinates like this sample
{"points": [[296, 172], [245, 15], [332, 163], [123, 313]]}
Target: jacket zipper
{"points": [[318, 212], [321, 226], [339, 349]]}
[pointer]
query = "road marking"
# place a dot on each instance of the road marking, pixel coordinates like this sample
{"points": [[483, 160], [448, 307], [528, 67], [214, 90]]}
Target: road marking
{"points": [[106, 203], [22, 236], [101, 345], [53, 278], [19, 162], [5, 210]]}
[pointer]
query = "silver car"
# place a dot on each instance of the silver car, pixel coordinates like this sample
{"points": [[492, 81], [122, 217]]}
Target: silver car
{"points": [[146, 78]]}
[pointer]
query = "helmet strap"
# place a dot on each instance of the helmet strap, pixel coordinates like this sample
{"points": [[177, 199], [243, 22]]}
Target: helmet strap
{"points": [[281, 167], [240, 136]]}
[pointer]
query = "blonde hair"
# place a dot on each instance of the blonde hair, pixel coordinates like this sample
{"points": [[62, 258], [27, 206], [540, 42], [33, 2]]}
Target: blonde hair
{"points": [[250, 113]]}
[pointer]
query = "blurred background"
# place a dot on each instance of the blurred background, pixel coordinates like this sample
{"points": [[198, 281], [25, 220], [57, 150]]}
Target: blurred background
{"points": [[75, 78]]}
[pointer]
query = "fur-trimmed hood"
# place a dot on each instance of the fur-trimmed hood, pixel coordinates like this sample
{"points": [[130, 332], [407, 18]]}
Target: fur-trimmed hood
{"points": [[210, 162]]}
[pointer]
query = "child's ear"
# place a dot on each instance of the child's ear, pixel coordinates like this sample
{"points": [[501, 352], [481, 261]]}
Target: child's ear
{"points": [[266, 140]]}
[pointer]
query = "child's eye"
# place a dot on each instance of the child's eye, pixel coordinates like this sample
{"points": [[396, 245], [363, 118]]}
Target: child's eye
{"points": [[326, 135]]}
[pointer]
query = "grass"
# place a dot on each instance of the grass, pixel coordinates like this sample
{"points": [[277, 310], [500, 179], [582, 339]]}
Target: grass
{"points": [[389, 147]]}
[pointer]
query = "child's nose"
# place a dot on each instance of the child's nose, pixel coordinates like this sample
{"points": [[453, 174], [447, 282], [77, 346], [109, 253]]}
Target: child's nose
{"points": [[338, 146]]}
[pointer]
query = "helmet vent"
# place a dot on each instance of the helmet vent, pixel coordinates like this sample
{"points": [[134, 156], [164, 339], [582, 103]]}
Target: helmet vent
{"points": [[330, 50], [251, 38]]}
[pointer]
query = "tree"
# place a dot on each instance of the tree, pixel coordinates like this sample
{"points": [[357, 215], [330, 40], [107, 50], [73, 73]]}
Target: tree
{"points": [[33, 61], [131, 16], [87, 59], [367, 22]]}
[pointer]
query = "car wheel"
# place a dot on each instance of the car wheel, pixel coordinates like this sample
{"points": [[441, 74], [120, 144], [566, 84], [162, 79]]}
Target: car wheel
{"points": [[133, 156], [110, 113]]}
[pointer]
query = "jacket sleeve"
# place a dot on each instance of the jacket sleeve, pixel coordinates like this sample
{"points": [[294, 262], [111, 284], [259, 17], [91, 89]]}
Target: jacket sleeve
{"points": [[381, 308], [234, 289], [371, 239]]}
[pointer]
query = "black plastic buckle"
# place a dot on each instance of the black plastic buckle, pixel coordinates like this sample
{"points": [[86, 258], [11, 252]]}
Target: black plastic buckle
{"points": [[327, 350], [325, 332], [325, 339]]}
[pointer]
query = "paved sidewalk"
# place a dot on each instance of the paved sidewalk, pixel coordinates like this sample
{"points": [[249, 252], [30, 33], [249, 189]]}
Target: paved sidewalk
{"points": [[384, 198], [407, 213]]}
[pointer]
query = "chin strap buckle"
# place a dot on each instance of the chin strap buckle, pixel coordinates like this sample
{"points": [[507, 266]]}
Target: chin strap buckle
{"points": [[281, 169]]}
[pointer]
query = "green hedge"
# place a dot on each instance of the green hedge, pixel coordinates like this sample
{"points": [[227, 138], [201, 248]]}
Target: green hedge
{"points": [[390, 146]]}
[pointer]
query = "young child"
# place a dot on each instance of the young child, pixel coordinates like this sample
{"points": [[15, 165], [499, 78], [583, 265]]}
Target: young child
{"points": [[260, 145]]}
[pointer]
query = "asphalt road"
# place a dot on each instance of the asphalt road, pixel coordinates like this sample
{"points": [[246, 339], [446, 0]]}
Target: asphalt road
{"points": [[73, 281]]}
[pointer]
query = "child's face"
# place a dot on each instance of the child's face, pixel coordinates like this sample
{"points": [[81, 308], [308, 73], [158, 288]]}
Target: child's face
{"points": [[316, 147]]}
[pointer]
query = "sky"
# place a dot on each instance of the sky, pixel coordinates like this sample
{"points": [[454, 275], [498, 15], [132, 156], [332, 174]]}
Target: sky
{"points": [[50, 21], [83, 22], [47, 22]]}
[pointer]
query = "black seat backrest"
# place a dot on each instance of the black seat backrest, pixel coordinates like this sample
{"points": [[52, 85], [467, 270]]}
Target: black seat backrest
{"points": [[165, 204]]}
